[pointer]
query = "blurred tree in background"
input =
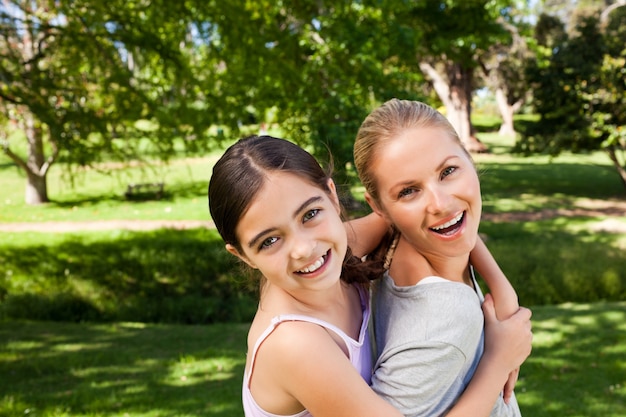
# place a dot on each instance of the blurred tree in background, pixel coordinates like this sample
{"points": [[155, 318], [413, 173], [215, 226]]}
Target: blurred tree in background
{"points": [[579, 85], [88, 81]]}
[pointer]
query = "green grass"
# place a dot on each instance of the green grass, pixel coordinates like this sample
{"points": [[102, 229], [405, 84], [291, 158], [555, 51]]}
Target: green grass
{"points": [[122, 369], [98, 195], [577, 367], [516, 183], [578, 364], [509, 183], [165, 275]]}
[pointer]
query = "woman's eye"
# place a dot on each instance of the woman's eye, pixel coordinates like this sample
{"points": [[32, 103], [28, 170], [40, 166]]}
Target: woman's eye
{"points": [[447, 171], [268, 243], [406, 192], [310, 214]]}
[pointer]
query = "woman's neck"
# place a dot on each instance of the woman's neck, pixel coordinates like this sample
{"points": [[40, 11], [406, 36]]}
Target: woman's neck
{"points": [[410, 266]]}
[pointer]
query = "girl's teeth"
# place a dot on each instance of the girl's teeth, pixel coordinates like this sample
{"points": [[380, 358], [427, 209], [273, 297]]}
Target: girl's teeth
{"points": [[450, 223], [312, 268]]}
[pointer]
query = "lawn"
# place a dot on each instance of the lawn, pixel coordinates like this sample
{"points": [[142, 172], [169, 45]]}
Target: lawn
{"points": [[51, 369], [124, 368]]}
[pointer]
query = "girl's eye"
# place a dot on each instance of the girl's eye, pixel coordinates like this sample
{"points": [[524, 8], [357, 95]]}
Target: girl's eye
{"points": [[267, 243], [310, 214], [447, 171]]}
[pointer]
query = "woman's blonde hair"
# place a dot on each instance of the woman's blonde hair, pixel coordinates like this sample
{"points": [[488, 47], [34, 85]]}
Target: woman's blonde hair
{"points": [[386, 123]]}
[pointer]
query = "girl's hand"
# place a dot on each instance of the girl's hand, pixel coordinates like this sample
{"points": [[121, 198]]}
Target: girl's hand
{"points": [[510, 385], [508, 342]]}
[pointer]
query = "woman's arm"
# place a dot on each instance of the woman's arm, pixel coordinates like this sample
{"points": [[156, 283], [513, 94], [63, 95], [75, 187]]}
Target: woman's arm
{"points": [[505, 297], [365, 233]]}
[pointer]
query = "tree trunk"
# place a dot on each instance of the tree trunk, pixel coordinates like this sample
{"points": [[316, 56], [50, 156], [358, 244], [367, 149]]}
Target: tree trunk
{"points": [[460, 115], [36, 187], [506, 111], [621, 168], [456, 94]]}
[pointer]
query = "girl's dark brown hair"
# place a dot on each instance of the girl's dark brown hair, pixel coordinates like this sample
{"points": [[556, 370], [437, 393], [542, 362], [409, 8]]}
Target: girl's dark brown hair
{"points": [[240, 173]]}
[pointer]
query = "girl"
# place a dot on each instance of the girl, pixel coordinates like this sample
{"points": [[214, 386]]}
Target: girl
{"points": [[308, 346], [427, 319]]}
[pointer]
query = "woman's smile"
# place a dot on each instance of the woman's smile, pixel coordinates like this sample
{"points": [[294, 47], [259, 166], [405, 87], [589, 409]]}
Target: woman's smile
{"points": [[450, 227]]}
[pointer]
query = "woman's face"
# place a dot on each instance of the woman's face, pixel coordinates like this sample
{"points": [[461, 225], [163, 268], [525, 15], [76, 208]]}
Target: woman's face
{"points": [[293, 234], [429, 189]]}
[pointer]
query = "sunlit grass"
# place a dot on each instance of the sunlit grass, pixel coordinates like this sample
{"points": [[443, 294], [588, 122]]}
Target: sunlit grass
{"points": [[53, 369], [577, 367], [578, 363]]}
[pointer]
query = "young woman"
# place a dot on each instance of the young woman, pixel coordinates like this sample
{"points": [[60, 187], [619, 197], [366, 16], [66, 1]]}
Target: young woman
{"points": [[308, 346], [427, 315]]}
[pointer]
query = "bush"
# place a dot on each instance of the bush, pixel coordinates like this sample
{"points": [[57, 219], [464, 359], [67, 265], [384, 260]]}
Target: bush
{"points": [[166, 276]]}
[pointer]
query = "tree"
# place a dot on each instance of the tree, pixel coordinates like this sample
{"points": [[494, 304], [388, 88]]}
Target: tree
{"points": [[77, 76], [503, 68], [450, 39], [317, 67], [580, 87]]}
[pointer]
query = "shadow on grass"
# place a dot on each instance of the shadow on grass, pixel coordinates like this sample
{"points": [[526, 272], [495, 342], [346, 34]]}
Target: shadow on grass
{"points": [[568, 181], [181, 276], [191, 189], [121, 369], [578, 361], [553, 261]]}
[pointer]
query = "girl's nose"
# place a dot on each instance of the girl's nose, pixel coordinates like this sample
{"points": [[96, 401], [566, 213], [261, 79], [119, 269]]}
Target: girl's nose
{"points": [[302, 247]]}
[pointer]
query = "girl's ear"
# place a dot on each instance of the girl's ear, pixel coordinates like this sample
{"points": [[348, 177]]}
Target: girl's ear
{"points": [[333, 193], [375, 208], [231, 249]]}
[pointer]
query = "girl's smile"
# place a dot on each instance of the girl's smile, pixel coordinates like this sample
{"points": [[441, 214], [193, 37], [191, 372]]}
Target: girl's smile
{"points": [[302, 242]]}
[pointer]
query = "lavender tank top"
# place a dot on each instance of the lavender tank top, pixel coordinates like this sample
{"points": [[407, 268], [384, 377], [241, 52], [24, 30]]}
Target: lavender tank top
{"points": [[359, 353]]}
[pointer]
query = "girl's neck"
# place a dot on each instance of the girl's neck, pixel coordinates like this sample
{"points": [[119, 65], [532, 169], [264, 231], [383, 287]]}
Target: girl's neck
{"points": [[276, 300]]}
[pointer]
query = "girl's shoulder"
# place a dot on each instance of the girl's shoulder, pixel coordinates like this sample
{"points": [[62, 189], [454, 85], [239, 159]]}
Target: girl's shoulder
{"points": [[283, 333]]}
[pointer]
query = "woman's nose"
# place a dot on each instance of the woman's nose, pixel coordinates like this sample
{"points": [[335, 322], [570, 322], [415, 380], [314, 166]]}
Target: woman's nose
{"points": [[438, 200]]}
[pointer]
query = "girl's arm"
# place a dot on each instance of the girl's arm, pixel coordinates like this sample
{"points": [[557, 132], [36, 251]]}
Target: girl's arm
{"points": [[310, 367], [365, 233], [507, 344], [504, 295]]}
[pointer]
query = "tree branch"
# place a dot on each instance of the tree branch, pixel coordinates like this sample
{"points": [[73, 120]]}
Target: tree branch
{"points": [[15, 158]]}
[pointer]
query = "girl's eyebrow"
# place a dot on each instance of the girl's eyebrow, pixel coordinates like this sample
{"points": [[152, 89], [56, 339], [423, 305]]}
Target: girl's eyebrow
{"points": [[252, 243]]}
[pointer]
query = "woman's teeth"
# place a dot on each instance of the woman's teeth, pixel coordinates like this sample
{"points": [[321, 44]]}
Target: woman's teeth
{"points": [[315, 266], [449, 223]]}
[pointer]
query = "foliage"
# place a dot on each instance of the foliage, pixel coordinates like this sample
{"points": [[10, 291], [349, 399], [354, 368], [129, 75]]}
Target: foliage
{"points": [[85, 80], [579, 88], [161, 276], [569, 263], [69, 369]]}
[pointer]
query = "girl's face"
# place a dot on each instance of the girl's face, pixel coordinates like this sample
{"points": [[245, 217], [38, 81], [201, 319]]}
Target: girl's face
{"points": [[293, 234], [429, 189]]}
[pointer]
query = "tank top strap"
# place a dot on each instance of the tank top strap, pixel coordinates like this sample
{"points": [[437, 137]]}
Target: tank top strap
{"points": [[276, 320], [349, 342]]}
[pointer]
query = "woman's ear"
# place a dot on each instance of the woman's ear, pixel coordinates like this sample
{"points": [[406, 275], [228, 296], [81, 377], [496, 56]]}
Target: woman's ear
{"points": [[375, 208], [231, 249]]}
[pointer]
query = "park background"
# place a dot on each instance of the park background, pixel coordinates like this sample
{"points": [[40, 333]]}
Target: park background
{"points": [[116, 304]]}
